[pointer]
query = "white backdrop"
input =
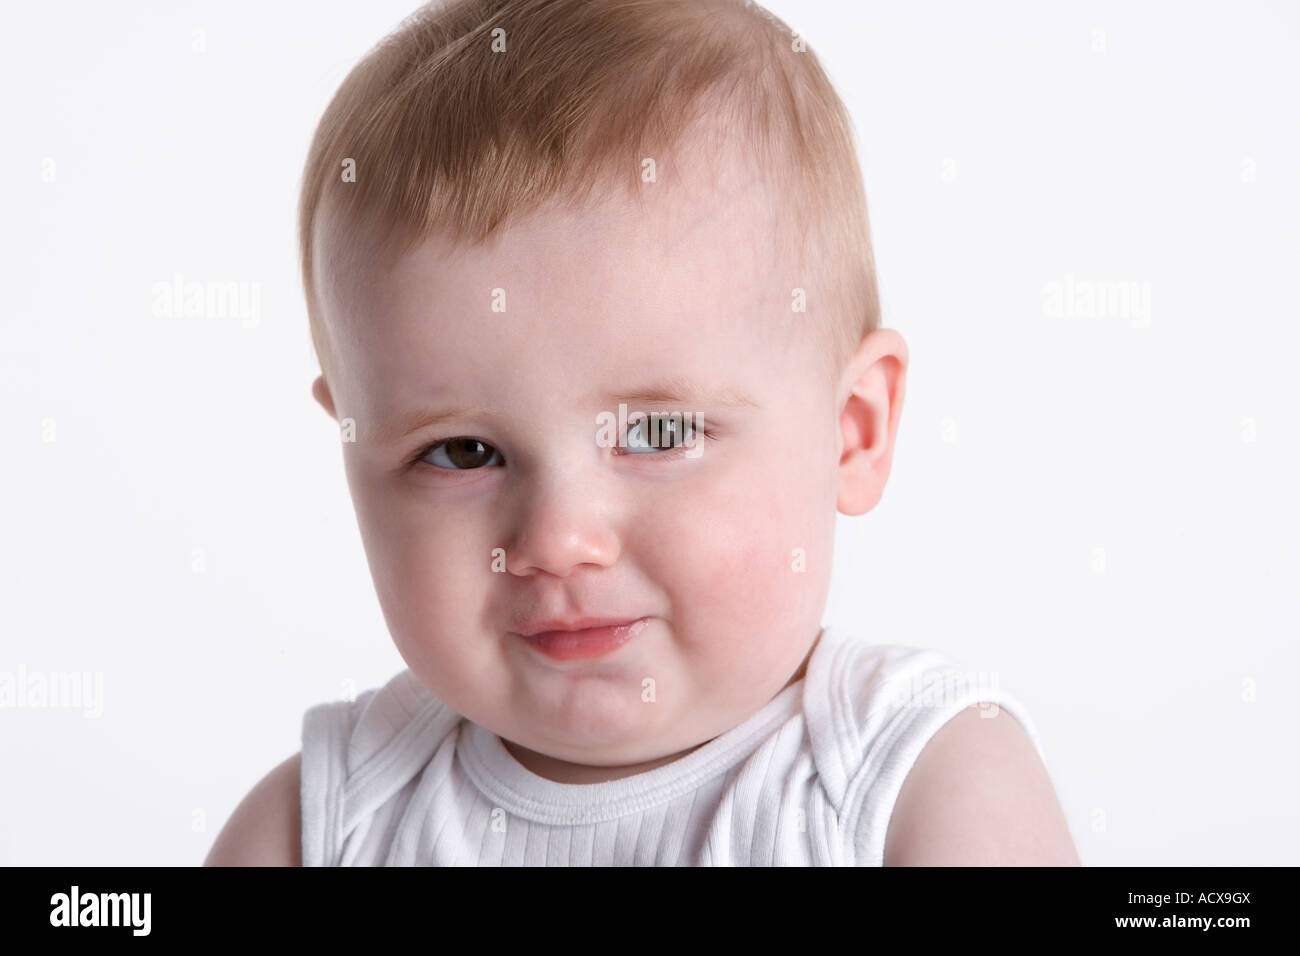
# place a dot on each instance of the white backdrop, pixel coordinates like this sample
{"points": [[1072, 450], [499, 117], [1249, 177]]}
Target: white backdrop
{"points": [[1087, 225]]}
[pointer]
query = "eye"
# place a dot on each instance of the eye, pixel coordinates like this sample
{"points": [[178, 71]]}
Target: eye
{"points": [[459, 454], [672, 434]]}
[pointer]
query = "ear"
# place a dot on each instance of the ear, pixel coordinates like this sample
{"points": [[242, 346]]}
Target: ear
{"points": [[321, 392], [873, 384]]}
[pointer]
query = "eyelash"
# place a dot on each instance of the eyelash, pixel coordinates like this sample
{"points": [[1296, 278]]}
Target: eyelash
{"points": [[672, 453]]}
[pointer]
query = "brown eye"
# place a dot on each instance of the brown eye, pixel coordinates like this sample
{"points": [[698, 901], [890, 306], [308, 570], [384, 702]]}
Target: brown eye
{"points": [[461, 454], [671, 434]]}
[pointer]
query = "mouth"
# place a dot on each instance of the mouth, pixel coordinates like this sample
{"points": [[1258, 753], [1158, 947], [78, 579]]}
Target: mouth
{"points": [[583, 643]]}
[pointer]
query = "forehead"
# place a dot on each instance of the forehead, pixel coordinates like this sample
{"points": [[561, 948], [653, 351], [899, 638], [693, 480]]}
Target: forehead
{"points": [[697, 275]]}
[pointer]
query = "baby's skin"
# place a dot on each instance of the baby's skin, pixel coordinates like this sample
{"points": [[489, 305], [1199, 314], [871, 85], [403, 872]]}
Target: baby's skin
{"points": [[508, 510]]}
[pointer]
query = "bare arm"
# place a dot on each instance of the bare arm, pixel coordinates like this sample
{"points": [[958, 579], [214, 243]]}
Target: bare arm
{"points": [[978, 795], [266, 827]]}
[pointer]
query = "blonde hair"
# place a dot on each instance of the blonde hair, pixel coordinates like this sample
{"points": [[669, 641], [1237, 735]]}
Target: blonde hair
{"points": [[444, 133]]}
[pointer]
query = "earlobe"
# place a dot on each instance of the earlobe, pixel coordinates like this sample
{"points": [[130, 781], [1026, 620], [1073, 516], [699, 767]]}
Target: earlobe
{"points": [[321, 392], [863, 471]]}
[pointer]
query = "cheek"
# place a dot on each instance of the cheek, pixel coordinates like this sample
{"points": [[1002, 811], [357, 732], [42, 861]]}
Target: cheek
{"points": [[426, 577], [730, 560]]}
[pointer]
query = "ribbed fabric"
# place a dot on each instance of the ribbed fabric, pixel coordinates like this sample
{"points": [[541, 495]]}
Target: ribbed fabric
{"points": [[397, 778]]}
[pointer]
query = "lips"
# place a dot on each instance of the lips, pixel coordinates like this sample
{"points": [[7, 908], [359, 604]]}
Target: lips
{"points": [[581, 638], [571, 624]]}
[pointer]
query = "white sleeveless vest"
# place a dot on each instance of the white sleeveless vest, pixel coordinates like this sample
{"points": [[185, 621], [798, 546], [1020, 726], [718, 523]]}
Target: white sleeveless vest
{"points": [[397, 778]]}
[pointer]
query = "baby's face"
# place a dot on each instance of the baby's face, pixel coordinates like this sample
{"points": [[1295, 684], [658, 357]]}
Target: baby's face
{"points": [[724, 550]]}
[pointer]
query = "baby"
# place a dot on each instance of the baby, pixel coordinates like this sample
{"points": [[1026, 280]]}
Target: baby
{"points": [[540, 237]]}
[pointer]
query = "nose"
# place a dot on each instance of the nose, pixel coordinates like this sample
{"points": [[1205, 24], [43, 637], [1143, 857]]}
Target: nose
{"points": [[559, 528]]}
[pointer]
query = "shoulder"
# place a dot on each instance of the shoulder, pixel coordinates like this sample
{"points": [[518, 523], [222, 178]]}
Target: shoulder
{"points": [[883, 717], [264, 828], [300, 804], [978, 795], [350, 737], [359, 758], [865, 704]]}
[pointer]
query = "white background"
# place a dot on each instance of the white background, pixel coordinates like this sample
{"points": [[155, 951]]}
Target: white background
{"points": [[1102, 511]]}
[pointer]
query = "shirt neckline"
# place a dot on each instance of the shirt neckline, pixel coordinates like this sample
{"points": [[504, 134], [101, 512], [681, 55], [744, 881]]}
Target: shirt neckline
{"points": [[512, 786]]}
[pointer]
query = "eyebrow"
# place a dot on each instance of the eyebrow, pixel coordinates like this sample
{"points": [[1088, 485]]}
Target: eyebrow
{"points": [[680, 391], [677, 390]]}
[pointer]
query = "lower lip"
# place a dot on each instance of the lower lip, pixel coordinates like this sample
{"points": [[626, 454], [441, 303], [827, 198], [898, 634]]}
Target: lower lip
{"points": [[586, 644]]}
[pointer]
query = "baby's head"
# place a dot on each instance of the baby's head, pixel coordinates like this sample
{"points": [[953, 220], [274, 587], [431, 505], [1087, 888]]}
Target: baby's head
{"points": [[522, 223]]}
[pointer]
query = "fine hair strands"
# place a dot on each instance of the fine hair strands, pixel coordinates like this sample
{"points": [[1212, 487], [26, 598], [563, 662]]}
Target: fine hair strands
{"points": [[448, 134]]}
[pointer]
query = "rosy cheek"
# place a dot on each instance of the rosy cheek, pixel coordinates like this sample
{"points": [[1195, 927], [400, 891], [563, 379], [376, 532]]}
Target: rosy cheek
{"points": [[733, 555], [426, 571], [779, 550]]}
